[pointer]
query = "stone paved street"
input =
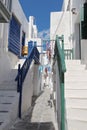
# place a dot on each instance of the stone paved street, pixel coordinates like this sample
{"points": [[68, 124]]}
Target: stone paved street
{"points": [[42, 116]]}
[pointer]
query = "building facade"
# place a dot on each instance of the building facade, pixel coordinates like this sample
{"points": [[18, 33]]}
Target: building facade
{"points": [[12, 33], [70, 23], [33, 33], [15, 33]]}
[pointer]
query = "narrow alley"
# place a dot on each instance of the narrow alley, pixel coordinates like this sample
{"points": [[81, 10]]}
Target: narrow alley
{"points": [[41, 117], [43, 65]]}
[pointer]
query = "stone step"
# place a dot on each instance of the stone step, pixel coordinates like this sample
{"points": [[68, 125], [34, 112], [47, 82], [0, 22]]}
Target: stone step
{"points": [[76, 114], [8, 85], [75, 68], [76, 73], [74, 65], [4, 107], [6, 100], [76, 93], [76, 78], [76, 85], [76, 125], [8, 93], [76, 103], [4, 116], [73, 62], [9, 101]]}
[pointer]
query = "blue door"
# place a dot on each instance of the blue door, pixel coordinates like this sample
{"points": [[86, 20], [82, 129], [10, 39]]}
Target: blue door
{"points": [[14, 36]]}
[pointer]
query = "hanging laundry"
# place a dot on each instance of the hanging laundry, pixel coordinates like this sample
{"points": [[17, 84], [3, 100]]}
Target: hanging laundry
{"points": [[49, 54], [46, 70], [47, 45]]}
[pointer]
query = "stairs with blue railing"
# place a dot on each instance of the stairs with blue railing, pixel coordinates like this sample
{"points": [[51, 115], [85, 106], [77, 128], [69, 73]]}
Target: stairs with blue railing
{"points": [[76, 95], [8, 108], [9, 98], [9, 82]]}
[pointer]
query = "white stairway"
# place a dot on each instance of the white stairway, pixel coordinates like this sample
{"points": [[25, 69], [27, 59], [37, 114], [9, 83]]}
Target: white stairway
{"points": [[76, 95], [9, 82], [9, 98]]}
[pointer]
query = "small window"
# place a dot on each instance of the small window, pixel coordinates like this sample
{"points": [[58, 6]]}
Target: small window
{"points": [[84, 22]]}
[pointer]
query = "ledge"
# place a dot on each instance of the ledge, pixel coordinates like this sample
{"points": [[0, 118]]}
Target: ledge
{"points": [[4, 13]]}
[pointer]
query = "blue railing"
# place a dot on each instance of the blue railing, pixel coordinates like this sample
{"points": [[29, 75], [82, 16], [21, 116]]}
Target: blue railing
{"points": [[68, 54], [22, 72], [36, 55], [26, 65]]}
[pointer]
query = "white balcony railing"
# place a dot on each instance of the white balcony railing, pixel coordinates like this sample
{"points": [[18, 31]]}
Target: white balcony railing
{"points": [[5, 10], [7, 4]]}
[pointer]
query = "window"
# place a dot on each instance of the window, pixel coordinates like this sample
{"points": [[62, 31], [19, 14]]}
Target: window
{"points": [[84, 22]]}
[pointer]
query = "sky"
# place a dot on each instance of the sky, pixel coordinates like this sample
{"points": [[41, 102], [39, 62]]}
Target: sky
{"points": [[41, 9]]}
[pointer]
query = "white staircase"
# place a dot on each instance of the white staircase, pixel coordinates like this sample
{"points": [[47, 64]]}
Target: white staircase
{"points": [[9, 101], [9, 82], [9, 98], [76, 95]]}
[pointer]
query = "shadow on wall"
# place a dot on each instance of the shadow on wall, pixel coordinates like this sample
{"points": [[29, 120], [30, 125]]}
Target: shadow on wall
{"points": [[37, 126], [4, 67]]}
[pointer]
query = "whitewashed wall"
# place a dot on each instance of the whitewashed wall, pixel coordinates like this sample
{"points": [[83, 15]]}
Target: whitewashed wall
{"points": [[61, 25], [8, 59], [57, 98], [31, 87], [33, 31], [28, 89], [76, 40], [18, 11], [68, 24], [73, 4], [65, 2], [5, 65], [84, 51], [36, 81]]}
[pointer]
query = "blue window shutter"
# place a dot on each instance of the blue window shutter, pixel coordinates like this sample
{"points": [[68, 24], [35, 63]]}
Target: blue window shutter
{"points": [[14, 36]]}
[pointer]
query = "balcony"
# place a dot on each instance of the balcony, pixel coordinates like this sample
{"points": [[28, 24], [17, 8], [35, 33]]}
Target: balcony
{"points": [[5, 10]]}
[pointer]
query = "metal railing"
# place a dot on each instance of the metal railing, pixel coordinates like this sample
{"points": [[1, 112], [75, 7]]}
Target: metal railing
{"points": [[60, 58], [68, 54], [22, 72]]}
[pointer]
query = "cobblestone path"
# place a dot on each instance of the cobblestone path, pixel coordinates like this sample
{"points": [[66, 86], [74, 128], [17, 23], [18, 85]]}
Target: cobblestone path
{"points": [[42, 116]]}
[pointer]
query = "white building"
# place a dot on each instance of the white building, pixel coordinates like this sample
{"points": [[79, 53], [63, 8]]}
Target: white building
{"points": [[14, 34], [68, 22], [11, 35], [33, 33], [72, 23], [32, 28]]}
